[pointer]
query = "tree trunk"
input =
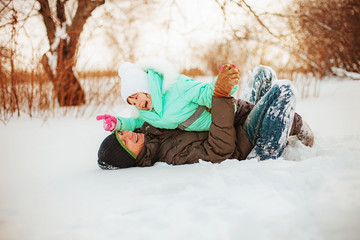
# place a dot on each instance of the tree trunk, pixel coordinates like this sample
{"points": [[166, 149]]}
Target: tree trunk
{"points": [[59, 61], [68, 89]]}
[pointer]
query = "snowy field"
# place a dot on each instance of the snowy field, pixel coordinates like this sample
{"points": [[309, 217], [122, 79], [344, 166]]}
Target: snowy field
{"points": [[52, 188]]}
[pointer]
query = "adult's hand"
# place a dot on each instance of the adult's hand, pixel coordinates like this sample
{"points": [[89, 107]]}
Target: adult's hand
{"points": [[228, 77]]}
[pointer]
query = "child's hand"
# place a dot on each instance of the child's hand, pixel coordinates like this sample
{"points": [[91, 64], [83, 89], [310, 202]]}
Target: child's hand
{"points": [[109, 121]]}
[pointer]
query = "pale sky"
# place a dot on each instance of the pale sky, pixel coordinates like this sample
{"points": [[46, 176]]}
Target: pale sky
{"points": [[194, 23]]}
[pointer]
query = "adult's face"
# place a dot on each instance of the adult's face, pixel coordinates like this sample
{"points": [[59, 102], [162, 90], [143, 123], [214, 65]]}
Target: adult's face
{"points": [[133, 141], [142, 101]]}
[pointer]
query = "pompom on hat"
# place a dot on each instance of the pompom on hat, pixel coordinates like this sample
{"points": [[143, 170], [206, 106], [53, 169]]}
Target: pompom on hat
{"points": [[133, 80]]}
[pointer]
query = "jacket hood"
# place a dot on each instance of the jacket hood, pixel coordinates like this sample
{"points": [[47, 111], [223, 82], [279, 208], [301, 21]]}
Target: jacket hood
{"points": [[163, 67], [133, 80]]}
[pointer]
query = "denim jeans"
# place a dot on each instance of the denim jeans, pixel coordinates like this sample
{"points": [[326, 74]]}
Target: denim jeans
{"points": [[269, 123], [261, 80]]}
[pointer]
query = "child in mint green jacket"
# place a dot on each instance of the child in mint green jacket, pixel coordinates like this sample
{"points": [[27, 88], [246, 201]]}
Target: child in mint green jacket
{"points": [[163, 98]]}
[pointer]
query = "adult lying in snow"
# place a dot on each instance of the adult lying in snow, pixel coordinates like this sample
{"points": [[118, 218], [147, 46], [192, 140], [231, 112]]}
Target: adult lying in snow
{"points": [[253, 131]]}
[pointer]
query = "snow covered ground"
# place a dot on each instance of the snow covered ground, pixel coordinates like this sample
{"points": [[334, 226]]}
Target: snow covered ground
{"points": [[51, 187]]}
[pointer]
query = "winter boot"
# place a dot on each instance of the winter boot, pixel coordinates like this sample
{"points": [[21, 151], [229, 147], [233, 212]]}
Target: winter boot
{"points": [[306, 135], [261, 80]]}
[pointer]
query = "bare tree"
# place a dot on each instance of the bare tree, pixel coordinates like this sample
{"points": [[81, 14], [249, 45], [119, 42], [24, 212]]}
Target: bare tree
{"points": [[247, 36], [327, 32], [58, 62], [131, 15], [319, 36]]}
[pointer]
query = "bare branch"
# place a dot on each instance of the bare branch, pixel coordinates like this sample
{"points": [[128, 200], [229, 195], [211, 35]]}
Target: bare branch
{"points": [[222, 7], [258, 19], [301, 55], [5, 6], [60, 10], [83, 12], [45, 12]]}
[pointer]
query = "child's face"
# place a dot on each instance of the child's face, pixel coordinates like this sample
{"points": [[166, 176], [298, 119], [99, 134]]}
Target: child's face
{"points": [[142, 101], [133, 141]]}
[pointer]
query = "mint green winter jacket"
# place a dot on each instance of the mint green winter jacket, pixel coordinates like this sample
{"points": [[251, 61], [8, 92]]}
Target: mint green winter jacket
{"points": [[174, 106]]}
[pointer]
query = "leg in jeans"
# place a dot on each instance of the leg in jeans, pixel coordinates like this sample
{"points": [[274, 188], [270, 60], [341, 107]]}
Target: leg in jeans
{"points": [[269, 123], [261, 80]]}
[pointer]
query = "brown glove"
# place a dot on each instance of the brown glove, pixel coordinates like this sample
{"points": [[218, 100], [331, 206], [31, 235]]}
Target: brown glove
{"points": [[228, 77]]}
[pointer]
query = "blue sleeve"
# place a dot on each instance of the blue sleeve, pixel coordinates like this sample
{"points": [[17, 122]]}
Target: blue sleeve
{"points": [[198, 92], [195, 91], [128, 124]]}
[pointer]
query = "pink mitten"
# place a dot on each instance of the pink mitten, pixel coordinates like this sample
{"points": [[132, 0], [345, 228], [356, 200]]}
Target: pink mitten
{"points": [[109, 121]]}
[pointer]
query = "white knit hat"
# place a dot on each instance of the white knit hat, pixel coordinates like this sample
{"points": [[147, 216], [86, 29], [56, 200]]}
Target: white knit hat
{"points": [[133, 80]]}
